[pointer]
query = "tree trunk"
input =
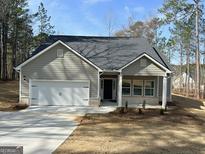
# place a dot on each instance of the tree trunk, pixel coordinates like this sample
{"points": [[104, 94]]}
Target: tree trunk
{"points": [[202, 74], [181, 64], [1, 50], [197, 52], [4, 56], [14, 51], [187, 73]]}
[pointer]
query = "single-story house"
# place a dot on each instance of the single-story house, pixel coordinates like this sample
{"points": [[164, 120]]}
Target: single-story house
{"points": [[87, 70]]}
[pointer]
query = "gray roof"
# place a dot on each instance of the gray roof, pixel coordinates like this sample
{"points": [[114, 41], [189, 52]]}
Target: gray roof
{"points": [[108, 53]]}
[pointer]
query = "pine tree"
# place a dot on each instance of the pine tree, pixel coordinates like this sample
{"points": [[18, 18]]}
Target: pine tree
{"points": [[4, 23], [19, 18], [45, 27], [185, 23]]}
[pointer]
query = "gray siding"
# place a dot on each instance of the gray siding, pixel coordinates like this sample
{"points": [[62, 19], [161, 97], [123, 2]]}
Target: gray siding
{"points": [[150, 69], [134, 100], [48, 67], [169, 86]]}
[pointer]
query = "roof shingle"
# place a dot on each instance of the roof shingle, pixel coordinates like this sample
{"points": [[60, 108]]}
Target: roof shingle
{"points": [[108, 53]]}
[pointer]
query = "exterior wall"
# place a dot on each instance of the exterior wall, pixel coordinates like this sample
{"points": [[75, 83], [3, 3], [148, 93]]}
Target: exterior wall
{"points": [[151, 69], [169, 87], [135, 100], [48, 67]]}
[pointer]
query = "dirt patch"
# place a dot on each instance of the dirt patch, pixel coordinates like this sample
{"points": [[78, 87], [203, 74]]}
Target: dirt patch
{"points": [[178, 131], [9, 96], [188, 102]]}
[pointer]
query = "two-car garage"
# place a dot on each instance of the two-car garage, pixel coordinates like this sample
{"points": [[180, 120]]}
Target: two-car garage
{"points": [[62, 92]]}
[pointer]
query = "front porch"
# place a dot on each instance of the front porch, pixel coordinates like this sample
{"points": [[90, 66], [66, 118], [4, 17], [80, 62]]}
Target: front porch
{"points": [[117, 90], [142, 81]]}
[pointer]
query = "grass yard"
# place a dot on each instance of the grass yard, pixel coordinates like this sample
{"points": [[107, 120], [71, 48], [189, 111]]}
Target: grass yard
{"points": [[9, 96], [179, 131]]}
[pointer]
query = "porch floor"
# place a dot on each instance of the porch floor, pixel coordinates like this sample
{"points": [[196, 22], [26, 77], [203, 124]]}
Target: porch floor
{"points": [[108, 103], [148, 106]]}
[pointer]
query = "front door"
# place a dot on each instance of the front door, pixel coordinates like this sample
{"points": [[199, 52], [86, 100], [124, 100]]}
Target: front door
{"points": [[108, 89]]}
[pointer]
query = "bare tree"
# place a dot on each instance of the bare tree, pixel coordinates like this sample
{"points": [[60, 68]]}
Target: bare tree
{"points": [[109, 20]]}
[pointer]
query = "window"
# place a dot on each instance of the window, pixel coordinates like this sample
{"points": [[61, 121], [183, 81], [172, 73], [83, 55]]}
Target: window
{"points": [[149, 88], [143, 62], [137, 87], [60, 53], [126, 87]]}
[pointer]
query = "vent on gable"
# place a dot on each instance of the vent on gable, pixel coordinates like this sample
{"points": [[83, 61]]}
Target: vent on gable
{"points": [[143, 62], [60, 53]]}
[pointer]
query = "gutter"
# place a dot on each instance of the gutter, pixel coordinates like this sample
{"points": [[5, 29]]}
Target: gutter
{"points": [[17, 70]]}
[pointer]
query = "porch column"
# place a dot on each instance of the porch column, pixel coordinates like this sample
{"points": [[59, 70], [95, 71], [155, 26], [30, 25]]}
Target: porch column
{"points": [[164, 92], [98, 92], [119, 94], [20, 82]]}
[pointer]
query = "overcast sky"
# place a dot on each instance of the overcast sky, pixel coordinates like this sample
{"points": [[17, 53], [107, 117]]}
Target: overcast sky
{"points": [[89, 17]]}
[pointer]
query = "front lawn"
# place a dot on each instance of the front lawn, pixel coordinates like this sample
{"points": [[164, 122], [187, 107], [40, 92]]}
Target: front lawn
{"points": [[178, 131], [9, 96]]}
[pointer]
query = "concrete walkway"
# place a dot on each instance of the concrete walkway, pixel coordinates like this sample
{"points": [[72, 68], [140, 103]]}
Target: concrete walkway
{"points": [[41, 129]]}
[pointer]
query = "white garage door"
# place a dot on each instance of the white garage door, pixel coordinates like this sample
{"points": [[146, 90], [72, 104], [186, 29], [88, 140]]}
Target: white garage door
{"points": [[73, 93]]}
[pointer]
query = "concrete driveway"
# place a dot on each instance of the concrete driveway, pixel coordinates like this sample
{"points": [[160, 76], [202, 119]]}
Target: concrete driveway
{"points": [[41, 129]]}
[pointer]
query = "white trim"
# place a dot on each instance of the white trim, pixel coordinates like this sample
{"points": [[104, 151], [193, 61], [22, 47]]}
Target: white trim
{"points": [[114, 93], [147, 56], [99, 86], [164, 93], [109, 78], [42, 80], [157, 86], [24, 96], [30, 92], [127, 87], [51, 46], [133, 87], [111, 71], [119, 90], [20, 86], [170, 85], [89, 90], [150, 88]]}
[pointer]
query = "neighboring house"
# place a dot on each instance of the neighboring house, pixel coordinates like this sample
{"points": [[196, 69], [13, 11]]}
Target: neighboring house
{"points": [[83, 71], [179, 81]]}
